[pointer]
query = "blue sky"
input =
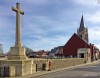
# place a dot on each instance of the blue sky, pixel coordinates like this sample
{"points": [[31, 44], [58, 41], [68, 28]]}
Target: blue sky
{"points": [[48, 23]]}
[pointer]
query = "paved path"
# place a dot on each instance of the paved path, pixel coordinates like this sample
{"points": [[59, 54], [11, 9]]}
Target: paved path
{"points": [[86, 71]]}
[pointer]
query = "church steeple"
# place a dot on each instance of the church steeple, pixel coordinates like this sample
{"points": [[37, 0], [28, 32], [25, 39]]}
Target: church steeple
{"points": [[82, 32], [81, 24]]}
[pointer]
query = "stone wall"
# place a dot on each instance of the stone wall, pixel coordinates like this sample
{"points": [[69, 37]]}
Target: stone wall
{"points": [[59, 63], [40, 63], [25, 67]]}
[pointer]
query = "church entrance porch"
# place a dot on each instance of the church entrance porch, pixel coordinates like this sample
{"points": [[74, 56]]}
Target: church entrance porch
{"points": [[84, 53]]}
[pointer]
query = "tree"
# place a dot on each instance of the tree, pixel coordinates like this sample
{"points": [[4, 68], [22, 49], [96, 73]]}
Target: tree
{"points": [[28, 50]]}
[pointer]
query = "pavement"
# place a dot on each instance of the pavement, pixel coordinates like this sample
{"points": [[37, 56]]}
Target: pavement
{"points": [[41, 73], [84, 71]]}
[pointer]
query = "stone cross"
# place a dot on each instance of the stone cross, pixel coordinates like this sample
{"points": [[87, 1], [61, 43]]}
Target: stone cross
{"points": [[18, 33]]}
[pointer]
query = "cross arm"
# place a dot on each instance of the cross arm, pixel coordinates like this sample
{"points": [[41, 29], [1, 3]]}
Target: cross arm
{"points": [[14, 9], [21, 12]]}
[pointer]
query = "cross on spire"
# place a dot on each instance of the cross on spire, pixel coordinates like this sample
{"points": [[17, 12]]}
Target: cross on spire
{"points": [[18, 34]]}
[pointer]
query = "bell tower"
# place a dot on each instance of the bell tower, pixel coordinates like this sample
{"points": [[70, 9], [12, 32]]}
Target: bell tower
{"points": [[82, 31]]}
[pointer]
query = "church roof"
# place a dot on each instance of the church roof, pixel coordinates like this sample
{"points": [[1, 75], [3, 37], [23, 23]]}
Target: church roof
{"points": [[73, 44], [82, 24]]}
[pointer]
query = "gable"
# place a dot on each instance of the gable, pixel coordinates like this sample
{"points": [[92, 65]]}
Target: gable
{"points": [[73, 44]]}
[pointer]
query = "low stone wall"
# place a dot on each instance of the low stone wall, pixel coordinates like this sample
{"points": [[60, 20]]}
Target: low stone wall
{"points": [[61, 63], [40, 63], [58, 63]]}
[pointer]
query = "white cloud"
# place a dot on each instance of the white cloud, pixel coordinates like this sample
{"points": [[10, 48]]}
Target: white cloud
{"points": [[94, 36], [86, 2], [43, 25], [94, 17], [97, 45], [46, 43], [35, 2], [94, 33]]}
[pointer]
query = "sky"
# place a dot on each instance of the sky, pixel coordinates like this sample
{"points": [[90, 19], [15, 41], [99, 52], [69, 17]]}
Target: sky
{"points": [[48, 23]]}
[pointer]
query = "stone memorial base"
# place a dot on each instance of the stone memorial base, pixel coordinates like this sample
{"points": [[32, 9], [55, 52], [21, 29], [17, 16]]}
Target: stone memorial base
{"points": [[10, 68], [17, 53]]}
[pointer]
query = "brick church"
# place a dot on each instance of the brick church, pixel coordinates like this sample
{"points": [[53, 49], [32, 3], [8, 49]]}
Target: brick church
{"points": [[78, 44]]}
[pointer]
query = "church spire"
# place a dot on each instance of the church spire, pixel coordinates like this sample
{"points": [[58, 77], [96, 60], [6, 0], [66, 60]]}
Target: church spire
{"points": [[82, 32], [82, 24]]}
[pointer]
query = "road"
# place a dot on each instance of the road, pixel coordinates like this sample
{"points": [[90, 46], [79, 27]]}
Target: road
{"points": [[87, 71]]}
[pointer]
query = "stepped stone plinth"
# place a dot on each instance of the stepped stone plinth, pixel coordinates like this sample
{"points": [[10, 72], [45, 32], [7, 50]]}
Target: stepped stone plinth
{"points": [[17, 53]]}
